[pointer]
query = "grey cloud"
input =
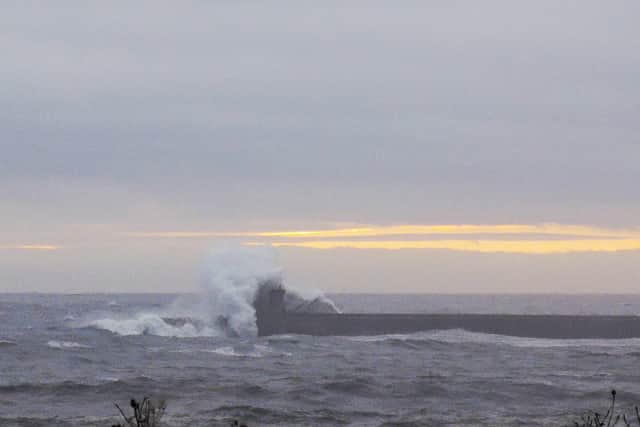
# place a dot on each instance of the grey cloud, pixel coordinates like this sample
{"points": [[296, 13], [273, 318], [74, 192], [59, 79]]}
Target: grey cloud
{"points": [[502, 111]]}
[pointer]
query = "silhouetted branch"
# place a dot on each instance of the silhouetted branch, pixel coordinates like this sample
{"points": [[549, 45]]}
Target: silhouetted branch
{"points": [[610, 419], [145, 414]]}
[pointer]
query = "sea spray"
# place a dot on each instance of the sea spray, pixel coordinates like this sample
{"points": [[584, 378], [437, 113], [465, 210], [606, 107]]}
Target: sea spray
{"points": [[149, 323], [230, 279]]}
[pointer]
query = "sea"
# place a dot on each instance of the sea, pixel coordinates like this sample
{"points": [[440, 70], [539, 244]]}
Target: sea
{"points": [[65, 360]]}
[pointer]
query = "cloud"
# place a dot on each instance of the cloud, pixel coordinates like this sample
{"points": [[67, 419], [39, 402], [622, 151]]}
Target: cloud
{"points": [[376, 113], [234, 116]]}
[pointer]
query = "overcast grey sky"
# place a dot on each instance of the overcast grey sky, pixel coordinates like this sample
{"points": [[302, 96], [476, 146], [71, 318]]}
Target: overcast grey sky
{"points": [[285, 115]]}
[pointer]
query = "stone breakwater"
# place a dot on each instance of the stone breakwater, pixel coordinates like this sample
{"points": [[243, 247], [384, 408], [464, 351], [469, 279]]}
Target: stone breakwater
{"points": [[273, 317]]}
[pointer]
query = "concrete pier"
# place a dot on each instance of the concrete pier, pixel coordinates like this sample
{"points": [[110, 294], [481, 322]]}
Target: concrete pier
{"points": [[534, 326], [273, 319]]}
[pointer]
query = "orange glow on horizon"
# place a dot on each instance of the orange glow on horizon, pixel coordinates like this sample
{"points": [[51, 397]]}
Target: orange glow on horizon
{"points": [[539, 247], [407, 230], [33, 247], [494, 238]]}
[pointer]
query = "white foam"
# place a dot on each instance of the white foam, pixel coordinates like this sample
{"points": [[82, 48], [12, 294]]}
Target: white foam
{"points": [[256, 351], [151, 324], [231, 352], [108, 379], [249, 350], [312, 294], [230, 280], [222, 351], [459, 336], [66, 344]]}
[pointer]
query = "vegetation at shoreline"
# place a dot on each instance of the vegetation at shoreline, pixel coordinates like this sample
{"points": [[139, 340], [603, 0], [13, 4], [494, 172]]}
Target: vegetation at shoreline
{"points": [[149, 414], [609, 419], [145, 414]]}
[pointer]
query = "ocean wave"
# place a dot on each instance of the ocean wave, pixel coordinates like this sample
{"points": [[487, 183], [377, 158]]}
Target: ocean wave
{"points": [[417, 341], [108, 379], [231, 278], [355, 385], [579, 375], [253, 351], [460, 336], [151, 324], [232, 352], [279, 416], [42, 422], [235, 276], [66, 344], [71, 387], [7, 343], [289, 339]]}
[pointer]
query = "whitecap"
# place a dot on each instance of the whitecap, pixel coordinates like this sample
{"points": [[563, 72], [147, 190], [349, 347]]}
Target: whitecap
{"points": [[65, 344], [231, 352], [108, 379], [460, 336], [256, 351], [222, 351], [151, 324]]}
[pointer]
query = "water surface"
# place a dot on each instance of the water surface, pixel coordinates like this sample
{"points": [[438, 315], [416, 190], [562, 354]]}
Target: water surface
{"points": [[64, 360]]}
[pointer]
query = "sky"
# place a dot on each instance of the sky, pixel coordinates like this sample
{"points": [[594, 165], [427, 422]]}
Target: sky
{"points": [[421, 146]]}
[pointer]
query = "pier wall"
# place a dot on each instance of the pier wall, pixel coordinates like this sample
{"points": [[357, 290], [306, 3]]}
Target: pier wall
{"points": [[534, 326]]}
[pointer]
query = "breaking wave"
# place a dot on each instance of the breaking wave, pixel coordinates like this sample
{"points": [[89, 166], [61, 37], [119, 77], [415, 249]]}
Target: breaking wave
{"points": [[230, 279], [152, 324], [66, 344], [461, 336], [232, 352]]}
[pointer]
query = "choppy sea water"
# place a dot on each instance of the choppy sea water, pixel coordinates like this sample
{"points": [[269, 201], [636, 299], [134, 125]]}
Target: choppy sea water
{"points": [[64, 360]]}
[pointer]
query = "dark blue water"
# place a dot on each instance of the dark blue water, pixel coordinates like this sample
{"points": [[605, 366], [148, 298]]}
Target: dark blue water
{"points": [[64, 360]]}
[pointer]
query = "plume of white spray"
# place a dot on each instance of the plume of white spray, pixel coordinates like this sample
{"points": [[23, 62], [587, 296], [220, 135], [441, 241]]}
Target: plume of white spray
{"points": [[230, 278]]}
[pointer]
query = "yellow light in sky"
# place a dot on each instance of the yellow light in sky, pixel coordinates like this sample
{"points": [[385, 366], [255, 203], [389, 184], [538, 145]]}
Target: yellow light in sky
{"points": [[406, 230], [492, 238], [32, 247], [484, 246]]}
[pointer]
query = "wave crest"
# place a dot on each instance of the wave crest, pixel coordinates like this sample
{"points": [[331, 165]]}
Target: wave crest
{"points": [[65, 344], [152, 324], [230, 280]]}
